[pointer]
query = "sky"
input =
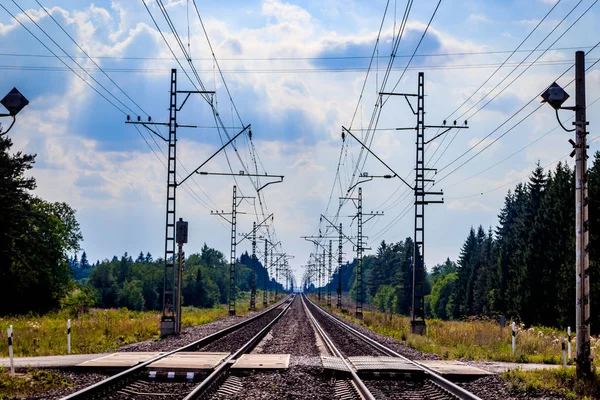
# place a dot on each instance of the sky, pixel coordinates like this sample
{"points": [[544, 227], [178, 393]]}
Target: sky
{"points": [[296, 71]]}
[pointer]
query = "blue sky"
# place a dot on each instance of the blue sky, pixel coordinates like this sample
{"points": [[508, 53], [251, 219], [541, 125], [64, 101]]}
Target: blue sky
{"points": [[281, 61]]}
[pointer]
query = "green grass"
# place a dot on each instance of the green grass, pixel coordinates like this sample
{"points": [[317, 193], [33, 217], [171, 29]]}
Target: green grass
{"points": [[477, 340], [99, 330], [31, 383], [559, 380]]}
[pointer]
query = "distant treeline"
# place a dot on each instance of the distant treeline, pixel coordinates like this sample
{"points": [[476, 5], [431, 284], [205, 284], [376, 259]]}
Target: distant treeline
{"points": [[138, 284], [524, 268]]}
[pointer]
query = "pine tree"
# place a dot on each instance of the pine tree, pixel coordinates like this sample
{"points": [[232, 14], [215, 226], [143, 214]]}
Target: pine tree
{"points": [[148, 258], [84, 263], [140, 258], [461, 297]]}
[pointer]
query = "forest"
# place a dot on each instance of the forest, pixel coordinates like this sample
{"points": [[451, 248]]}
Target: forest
{"points": [[137, 284], [524, 268], [39, 241]]}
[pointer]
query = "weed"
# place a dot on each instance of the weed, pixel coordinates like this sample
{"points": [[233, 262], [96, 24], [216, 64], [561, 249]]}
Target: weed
{"points": [[30, 383], [98, 330], [560, 380], [474, 339]]}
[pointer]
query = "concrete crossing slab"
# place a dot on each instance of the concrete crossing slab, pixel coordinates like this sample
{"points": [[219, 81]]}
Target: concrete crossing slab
{"points": [[119, 360], [262, 361], [383, 364], [189, 361], [454, 369], [49, 361]]}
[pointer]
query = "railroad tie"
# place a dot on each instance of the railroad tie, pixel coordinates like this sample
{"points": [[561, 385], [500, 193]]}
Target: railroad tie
{"points": [[343, 390], [231, 386]]}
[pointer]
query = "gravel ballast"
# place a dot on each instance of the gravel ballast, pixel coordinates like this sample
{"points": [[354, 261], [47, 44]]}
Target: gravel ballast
{"points": [[292, 334]]}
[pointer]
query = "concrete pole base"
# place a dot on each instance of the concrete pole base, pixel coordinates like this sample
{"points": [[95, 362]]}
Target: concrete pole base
{"points": [[418, 328]]}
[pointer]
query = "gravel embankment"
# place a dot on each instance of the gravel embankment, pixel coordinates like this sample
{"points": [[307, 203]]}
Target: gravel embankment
{"points": [[398, 389], [292, 334], [232, 342], [187, 336], [390, 342], [296, 383], [348, 344], [77, 381]]}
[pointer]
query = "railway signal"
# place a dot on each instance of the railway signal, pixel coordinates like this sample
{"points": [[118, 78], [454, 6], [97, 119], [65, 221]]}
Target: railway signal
{"points": [[14, 102]]}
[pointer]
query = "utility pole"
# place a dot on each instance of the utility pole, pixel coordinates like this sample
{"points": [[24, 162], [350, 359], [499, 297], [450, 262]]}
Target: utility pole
{"points": [[232, 288], [556, 96], [417, 323], [276, 279], [340, 260], [357, 244], [170, 319], [232, 260], [584, 364], [319, 273], [266, 276], [329, 274], [360, 248], [270, 282], [253, 278]]}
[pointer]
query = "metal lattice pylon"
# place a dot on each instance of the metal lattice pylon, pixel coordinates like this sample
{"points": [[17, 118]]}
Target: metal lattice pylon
{"points": [[170, 316], [232, 286]]}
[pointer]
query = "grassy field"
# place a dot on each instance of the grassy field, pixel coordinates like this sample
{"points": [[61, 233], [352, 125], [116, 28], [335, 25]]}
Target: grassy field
{"points": [[561, 381], [477, 340], [98, 330]]}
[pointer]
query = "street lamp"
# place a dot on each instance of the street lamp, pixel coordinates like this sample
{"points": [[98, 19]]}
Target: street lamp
{"points": [[14, 102]]}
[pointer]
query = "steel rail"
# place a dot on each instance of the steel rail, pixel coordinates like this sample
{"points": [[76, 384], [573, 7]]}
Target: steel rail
{"points": [[128, 373], [434, 376], [222, 369], [360, 386]]}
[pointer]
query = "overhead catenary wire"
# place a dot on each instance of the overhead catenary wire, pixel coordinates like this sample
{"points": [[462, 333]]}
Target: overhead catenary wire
{"points": [[107, 76], [216, 114], [517, 77], [510, 129]]}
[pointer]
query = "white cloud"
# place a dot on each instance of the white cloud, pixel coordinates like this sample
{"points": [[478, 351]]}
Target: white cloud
{"points": [[478, 18]]}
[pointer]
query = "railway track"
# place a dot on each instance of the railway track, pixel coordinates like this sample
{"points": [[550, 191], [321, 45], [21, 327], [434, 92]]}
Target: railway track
{"points": [[237, 340], [343, 341]]}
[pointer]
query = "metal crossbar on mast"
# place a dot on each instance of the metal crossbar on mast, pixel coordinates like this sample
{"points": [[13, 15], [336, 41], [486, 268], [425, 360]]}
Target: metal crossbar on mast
{"points": [[170, 320], [418, 325]]}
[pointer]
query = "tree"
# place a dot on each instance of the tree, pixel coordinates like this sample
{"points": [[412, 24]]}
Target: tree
{"points": [[148, 258], [441, 295], [131, 295], [140, 258], [84, 263]]}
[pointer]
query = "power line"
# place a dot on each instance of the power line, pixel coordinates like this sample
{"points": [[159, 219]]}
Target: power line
{"points": [[162, 71], [61, 60], [365, 57], [509, 130], [63, 50], [517, 77], [516, 152], [91, 59]]}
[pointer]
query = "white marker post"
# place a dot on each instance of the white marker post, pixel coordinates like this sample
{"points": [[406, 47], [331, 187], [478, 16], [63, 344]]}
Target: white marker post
{"points": [[68, 336], [564, 351], [569, 342], [10, 349], [514, 337]]}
